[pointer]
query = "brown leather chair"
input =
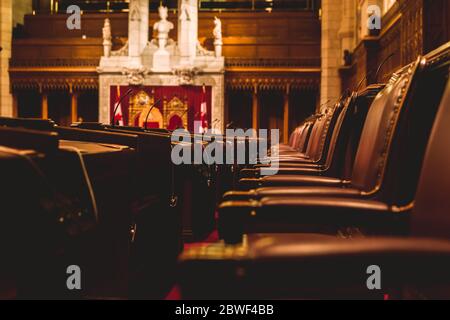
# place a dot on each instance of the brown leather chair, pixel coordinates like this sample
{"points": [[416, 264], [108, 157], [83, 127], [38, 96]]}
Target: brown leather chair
{"points": [[395, 134], [342, 146], [298, 137], [318, 142], [305, 266], [294, 138]]}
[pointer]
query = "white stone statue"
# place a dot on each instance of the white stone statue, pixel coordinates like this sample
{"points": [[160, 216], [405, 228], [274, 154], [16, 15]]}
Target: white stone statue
{"points": [[107, 38], [187, 31], [185, 14], [217, 33], [163, 28]]}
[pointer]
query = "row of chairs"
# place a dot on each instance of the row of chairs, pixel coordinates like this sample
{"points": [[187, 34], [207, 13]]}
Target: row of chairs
{"points": [[363, 185]]}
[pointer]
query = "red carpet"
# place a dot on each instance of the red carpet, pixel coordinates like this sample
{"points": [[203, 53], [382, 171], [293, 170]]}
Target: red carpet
{"points": [[175, 293]]}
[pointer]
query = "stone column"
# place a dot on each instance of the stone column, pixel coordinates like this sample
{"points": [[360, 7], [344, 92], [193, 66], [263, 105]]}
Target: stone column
{"points": [[144, 25], [6, 21], [286, 115], [348, 27], [255, 108], [331, 50], [187, 30], [138, 27]]}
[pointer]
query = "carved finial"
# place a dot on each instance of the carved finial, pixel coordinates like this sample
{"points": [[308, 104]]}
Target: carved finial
{"points": [[107, 38], [217, 32]]}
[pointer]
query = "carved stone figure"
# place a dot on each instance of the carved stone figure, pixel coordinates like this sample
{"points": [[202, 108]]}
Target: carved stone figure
{"points": [[135, 76], [185, 11], [185, 75], [217, 33], [163, 28], [107, 38]]}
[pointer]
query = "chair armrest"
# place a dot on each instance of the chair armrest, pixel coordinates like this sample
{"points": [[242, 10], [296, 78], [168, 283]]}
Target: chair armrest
{"points": [[281, 169], [274, 266], [291, 180], [290, 164], [305, 214], [257, 194]]}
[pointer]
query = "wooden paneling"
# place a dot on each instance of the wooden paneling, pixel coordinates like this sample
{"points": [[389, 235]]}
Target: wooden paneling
{"points": [[245, 34], [437, 19], [76, 48], [390, 52], [411, 28], [411, 42]]}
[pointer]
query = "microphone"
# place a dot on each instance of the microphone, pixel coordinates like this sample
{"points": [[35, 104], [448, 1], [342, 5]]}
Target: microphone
{"points": [[118, 104], [149, 111], [382, 64], [378, 70]]}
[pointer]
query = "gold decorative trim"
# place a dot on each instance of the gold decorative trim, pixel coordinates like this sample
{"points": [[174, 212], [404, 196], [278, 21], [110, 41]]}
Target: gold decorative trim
{"points": [[259, 69], [402, 209], [53, 69], [45, 83]]}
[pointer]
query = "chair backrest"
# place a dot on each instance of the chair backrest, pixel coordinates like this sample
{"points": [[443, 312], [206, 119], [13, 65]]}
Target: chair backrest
{"points": [[347, 129], [397, 129], [348, 143], [295, 136], [431, 213], [314, 135], [342, 108], [334, 121], [304, 138], [321, 133], [379, 128], [413, 132]]}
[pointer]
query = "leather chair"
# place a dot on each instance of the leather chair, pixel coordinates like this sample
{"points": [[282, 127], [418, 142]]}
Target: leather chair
{"points": [[297, 143], [342, 147], [312, 266], [395, 133], [318, 142], [294, 139]]}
